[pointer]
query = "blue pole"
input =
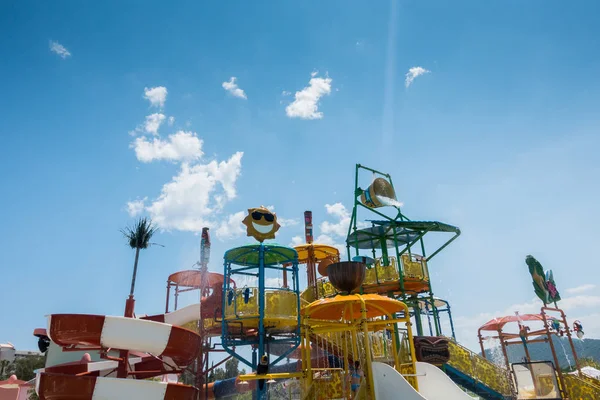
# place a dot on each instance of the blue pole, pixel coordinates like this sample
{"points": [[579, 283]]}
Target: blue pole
{"points": [[223, 302], [261, 311]]}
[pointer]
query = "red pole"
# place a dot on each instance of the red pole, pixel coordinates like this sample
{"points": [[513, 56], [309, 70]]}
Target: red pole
{"points": [[308, 228], [311, 271]]}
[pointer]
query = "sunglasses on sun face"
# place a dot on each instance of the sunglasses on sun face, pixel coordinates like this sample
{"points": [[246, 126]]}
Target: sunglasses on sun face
{"points": [[256, 215]]}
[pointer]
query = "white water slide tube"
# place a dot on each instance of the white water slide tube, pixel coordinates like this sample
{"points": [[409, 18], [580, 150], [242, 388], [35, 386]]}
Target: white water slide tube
{"points": [[434, 384]]}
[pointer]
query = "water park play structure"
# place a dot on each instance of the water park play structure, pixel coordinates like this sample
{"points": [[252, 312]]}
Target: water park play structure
{"points": [[350, 330]]}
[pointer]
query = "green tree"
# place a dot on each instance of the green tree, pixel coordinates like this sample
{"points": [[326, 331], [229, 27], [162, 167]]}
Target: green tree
{"points": [[589, 362], [3, 369], [24, 368], [138, 237]]}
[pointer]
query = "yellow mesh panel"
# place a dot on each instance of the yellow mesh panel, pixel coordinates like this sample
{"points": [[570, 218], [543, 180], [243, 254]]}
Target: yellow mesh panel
{"points": [[281, 304], [578, 388], [479, 368], [239, 308], [329, 385], [415, 267], [370, 276], [328, 289]]}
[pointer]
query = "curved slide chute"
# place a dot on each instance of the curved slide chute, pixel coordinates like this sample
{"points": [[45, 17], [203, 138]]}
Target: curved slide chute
{"points": [[390, 384], [434, 384]]}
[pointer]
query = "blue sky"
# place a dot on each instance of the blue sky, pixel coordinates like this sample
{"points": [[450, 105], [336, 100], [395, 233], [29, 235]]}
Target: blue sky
{"points": [[499, 137]]}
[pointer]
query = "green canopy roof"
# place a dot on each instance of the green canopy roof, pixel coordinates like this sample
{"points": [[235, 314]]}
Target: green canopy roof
{"points": [[429, 226], [248, 255]]}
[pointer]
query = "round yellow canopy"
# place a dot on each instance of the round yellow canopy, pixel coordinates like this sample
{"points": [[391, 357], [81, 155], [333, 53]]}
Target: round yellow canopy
{"points": [[349, 307], [320, 252]]}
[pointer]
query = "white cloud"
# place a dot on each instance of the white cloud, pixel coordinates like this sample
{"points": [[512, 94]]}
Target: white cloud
{"points": [[326, 239], [283, 221], [187, 203], [274, 282], [153, 122], [413, 73], [156, 95], [136, 207], [181, 146], [581, 289], [306, 102], [296, 241], [339, 228], [59, 49], [233, 88], [232, 227], [287, 222], [286, 93], [171, 120]]}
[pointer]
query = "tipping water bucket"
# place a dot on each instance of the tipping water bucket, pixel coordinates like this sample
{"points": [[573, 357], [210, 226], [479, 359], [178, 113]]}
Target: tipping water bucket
{"points": [[379, 188]]}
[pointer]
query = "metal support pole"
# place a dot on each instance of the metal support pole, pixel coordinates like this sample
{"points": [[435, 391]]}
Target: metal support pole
{"points": [[451, 322], [428, 317]]}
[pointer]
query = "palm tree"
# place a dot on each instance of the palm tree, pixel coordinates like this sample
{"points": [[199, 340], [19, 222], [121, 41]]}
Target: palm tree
{"points": [[138, 236]]}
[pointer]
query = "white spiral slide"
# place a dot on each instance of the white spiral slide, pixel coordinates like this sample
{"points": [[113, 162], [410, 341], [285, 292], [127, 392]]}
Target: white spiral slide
{"points": [[390, 384], [434, 384]]}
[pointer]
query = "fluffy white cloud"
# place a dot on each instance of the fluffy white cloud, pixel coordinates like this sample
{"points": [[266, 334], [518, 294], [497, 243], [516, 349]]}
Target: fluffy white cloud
{"points": [[59, 49], [413, 73], [283, 221], [275, 282], [232, 226], [181, 146], [153, 123], [171, 120], [233, 88], [156, 96], [326, 239], [339, 228], [306, 101], [136, 207], [287, 221], [296, 241], [581, 289], [187, 203]]}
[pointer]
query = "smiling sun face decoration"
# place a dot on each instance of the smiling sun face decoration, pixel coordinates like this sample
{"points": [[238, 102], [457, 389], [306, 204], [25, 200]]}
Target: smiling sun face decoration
{"points": [[261, 223]]}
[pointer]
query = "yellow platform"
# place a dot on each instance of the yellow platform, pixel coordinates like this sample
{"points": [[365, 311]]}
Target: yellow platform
{"points": [[281, 312]]}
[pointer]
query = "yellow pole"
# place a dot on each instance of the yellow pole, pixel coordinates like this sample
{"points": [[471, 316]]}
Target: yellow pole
{"points": [[307, 355], [355, 354], [412, 349], [346, 368], [363, 311], [395, 350]]}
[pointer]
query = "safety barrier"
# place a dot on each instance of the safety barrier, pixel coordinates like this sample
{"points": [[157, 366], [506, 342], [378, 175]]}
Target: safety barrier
{"points": [[243, 304], [578, 388], [480, 369]]}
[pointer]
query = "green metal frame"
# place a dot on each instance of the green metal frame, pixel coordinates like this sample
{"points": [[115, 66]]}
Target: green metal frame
{"points": [[417, 229]]}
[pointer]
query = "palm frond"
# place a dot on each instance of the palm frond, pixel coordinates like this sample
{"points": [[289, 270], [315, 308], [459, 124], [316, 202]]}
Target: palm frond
{"points": [[140, 233]]}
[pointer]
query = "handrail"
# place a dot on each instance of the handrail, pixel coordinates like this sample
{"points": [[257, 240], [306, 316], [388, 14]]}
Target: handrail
{"points": [[480, 369]]}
